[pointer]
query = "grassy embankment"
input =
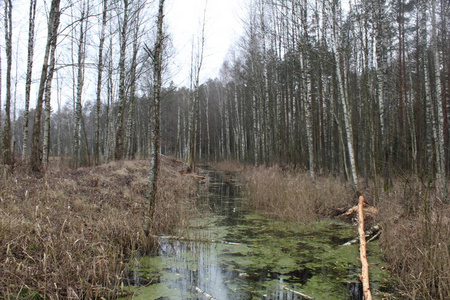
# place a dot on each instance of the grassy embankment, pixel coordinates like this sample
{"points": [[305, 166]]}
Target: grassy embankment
{"points": [[415, 223], [71, 233]]}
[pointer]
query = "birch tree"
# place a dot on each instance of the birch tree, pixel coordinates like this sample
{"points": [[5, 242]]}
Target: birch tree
{"points": [[157, 55], [47, 101], [52, 34], [133, 81], [381, 58], [30, 54], [122, 91], [343, 95], [440, 156], [99, 81], [196, 66], [7, 155], [81, 56]]}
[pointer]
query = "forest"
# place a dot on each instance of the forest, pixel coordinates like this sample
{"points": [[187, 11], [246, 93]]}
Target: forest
{"points": [[357, 90], [360, 91]]}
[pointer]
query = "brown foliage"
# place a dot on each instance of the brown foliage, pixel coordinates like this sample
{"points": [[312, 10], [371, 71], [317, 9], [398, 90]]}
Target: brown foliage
{"points": [[70, 233], [416, 240]]}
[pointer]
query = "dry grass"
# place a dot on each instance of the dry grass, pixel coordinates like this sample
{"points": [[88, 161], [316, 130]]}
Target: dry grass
{"points": [[293, 196], [71, 233], [416, 224], [416, 239]]}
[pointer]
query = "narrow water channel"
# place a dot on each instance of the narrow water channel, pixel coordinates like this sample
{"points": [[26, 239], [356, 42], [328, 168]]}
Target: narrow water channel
{"points": [[230, 252]]}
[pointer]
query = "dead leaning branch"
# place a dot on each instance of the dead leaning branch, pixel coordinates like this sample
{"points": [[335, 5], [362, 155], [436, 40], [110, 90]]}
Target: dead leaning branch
{"points": [[362, 249]]}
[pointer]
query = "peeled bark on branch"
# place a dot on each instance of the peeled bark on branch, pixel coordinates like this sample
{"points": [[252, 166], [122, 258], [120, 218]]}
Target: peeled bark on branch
{"points": [[362, 249]]}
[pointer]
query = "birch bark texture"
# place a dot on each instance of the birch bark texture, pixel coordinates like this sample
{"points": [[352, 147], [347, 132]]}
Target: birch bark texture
{"points": [[343, 94], [30, 54], [196, 66], [7, 155], [52, 34], [157, 55], [100, 68]]}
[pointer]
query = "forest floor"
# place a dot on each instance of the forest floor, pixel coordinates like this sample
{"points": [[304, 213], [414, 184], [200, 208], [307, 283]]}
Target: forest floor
{"points": [[70, 233], [415, 223]]}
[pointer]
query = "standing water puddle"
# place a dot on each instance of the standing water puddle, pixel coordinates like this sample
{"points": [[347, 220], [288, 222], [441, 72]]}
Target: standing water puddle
{"points": [[233, 253]]}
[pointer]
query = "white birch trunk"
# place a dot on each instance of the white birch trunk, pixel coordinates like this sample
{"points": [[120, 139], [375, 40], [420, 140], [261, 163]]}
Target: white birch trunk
{"points": [[6, 154], [99, 83], [440, 154], [30, 54], [152, 187], [131, 115], [255, 130], [341, 75], [47, 112], [53, 24], [79, 91], [122, 93]]}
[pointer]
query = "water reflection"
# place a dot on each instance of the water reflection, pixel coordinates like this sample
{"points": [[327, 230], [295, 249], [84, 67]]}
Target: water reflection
{"points": [[266, 260]]}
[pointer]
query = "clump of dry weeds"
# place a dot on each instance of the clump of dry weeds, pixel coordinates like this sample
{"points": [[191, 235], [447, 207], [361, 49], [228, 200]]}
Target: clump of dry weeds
{"points": [[416, 239], [71, 233], [293, 196]]}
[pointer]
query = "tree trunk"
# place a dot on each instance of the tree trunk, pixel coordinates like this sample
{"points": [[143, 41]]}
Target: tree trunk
{"points": [[154, 156], [47, 112], [440, 155], [53, 24], [195, 77], [80, 83], [30, 54], [341, 75], [99, 83], [122, 92], [7, 155], [131, 115]]}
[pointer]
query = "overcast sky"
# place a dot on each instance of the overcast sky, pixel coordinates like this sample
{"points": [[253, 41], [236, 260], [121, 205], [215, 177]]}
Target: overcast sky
{"points": [[223, 29]]}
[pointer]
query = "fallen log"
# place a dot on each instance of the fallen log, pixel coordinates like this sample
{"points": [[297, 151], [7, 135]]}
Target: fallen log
{"points": [[200, 291], [363, 253], [297, 293], [373, 233], [368, 209]]}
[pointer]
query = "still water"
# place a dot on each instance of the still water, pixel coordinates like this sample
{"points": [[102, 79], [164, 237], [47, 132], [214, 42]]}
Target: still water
{"points": [[230, 252]]}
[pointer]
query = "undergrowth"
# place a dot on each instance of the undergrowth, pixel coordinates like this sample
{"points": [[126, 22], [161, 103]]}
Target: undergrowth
{"points": [[71, 233]]}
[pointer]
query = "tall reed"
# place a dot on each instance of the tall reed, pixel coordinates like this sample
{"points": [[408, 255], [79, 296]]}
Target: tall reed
{"points": [[293, 196]]}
